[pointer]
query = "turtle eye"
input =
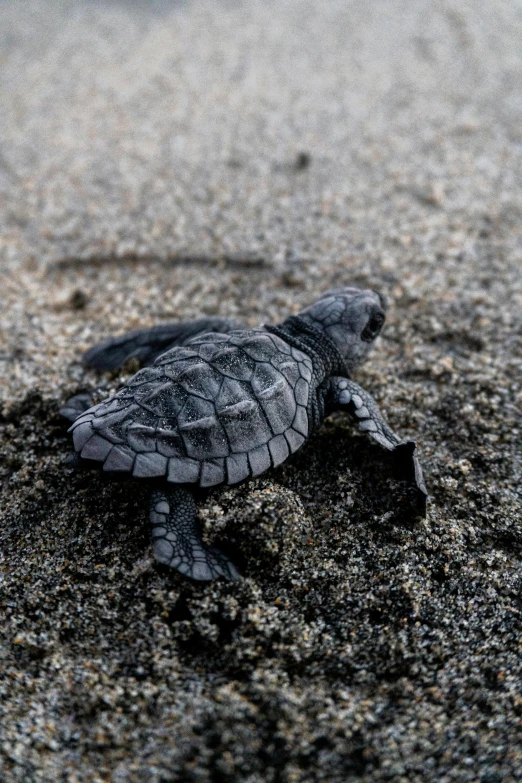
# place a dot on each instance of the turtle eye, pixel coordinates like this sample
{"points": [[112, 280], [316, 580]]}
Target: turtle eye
{"points": [[373, 327]]}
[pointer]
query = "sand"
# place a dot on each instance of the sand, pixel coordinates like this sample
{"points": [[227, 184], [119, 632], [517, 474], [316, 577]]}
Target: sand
{"points": [[160, 161]]}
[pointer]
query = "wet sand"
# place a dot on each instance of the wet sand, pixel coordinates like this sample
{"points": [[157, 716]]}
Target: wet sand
{"points": [[161, 161]]}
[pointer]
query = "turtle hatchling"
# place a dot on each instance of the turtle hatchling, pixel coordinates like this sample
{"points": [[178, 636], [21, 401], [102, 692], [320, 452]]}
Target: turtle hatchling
{"points": [[216, 404]]}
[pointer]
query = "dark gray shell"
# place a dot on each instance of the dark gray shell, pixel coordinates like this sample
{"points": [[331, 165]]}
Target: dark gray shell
{"points": [[218, 410]]}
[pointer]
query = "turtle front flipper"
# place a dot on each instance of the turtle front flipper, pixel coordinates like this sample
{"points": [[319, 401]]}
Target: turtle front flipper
{"points": [[146, 345], [347, 395], [177, 541]]}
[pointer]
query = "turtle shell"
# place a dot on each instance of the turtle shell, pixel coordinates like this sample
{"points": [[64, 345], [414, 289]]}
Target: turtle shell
{"points": [[216, 411]]}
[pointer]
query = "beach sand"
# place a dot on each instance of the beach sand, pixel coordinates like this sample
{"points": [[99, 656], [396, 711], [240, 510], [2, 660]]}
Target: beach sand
{"points": [[161, 161]]}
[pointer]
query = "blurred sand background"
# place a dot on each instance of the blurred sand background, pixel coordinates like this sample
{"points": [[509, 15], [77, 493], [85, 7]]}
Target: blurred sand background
{"points": [[163, 160]]}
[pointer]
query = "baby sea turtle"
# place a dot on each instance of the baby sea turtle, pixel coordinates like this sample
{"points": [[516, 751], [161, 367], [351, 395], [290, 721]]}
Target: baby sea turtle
{"points": [[218, 404]]}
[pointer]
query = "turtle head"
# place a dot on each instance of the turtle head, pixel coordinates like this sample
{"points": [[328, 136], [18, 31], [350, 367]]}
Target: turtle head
{"points": [[352, 318]]}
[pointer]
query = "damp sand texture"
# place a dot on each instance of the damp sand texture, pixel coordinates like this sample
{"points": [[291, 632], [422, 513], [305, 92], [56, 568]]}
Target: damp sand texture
{"points": [[162, 161]]}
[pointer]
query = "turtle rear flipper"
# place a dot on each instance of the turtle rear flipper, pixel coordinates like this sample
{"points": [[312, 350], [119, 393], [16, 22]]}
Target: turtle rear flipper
{"points": [[75, 406], [146, 345], [177, 541]]}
